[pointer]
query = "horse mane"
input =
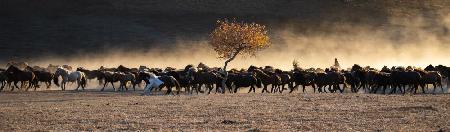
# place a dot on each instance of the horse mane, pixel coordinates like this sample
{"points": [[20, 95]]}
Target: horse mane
{"points": [[420, 71], [278, 71], [188, 67], [356, 67], [12, 67], [259, 71], [430, 68]]}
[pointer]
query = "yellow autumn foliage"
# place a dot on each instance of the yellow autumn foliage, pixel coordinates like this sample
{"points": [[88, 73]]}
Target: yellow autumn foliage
{"points": [[232, 38]]}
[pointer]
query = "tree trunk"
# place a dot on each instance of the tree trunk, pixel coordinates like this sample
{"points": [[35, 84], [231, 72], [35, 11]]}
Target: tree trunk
{"points": [[224, 70]]}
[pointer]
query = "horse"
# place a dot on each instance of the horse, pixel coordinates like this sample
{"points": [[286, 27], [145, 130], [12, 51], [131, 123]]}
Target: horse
{"points": [[331, 79], [444, 71], [90, 74], [152, 82], [352, 80], [401, 78], [183, 79], [124, 78], [266, 79], [69, 76], [285, 78], [202, 77], [42, 75], [304, 78], [239, 80], [381, 79], [109, 77], [169, 82], [15, 75], [431, 77]]}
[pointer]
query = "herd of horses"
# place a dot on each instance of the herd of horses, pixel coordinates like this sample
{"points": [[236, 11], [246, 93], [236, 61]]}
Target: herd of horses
{"points": [[203, 79]]}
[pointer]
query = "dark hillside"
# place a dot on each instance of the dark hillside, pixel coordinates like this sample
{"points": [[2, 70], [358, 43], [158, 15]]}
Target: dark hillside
{"points": [[31, 28]]}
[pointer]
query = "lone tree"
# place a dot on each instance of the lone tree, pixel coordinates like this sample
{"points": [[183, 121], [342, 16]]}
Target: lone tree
{"points": [[231, 38]]}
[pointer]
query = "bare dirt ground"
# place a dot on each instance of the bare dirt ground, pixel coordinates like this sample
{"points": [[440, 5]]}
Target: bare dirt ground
{"points": [[93, 110]]}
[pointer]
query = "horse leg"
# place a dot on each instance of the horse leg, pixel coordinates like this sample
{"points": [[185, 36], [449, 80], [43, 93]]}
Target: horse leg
{"points": [[291, 88], [209, 86], [169, 89], [104, 85], [314, 87], [1, 88], [304, 89], [264, 89], [434, 88], [15, 84], [384, 89], [78, 85], [112, 83], [271, 89], [393, 89], [35, 87]]}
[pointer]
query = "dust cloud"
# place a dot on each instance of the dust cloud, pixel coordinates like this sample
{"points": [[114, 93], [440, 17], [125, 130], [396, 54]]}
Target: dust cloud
{"points": [[415, 42]]}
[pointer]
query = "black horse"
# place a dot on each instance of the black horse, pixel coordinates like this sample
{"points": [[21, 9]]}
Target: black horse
{"points": [[352, 80], [90, 74], [304, 78], [42, 76], [402, 78], [381, 79], [267, 79], [239, 80], [15, 75], [286, 79], [331, 79]]}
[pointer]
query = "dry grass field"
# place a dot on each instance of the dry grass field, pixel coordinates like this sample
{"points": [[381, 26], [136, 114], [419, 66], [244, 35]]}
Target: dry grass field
{"points": [[129, 111]]}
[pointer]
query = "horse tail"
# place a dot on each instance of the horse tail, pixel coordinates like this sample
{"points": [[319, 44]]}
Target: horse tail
{"points": [[83, 80], [35, 81]]}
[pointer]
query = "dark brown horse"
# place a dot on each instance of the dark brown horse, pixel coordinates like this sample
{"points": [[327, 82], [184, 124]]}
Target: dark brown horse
{"points": [[169, 83], [400, 78], [183, 79], [124, 79], [286, 79], [42, 75], [238, 80], [331, 79], [204, 77], [352, 80], [90, 74], [430, 77], [303, 78], [16, 75], [109, 77], [267, 79], [381, 80]]}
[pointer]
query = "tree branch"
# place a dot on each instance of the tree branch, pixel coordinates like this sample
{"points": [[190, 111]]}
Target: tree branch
{"points": [[234, 54]]}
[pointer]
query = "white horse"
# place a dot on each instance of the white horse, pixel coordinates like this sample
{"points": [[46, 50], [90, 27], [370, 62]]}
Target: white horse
{"points": [[152, 82], [69, 76]]}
